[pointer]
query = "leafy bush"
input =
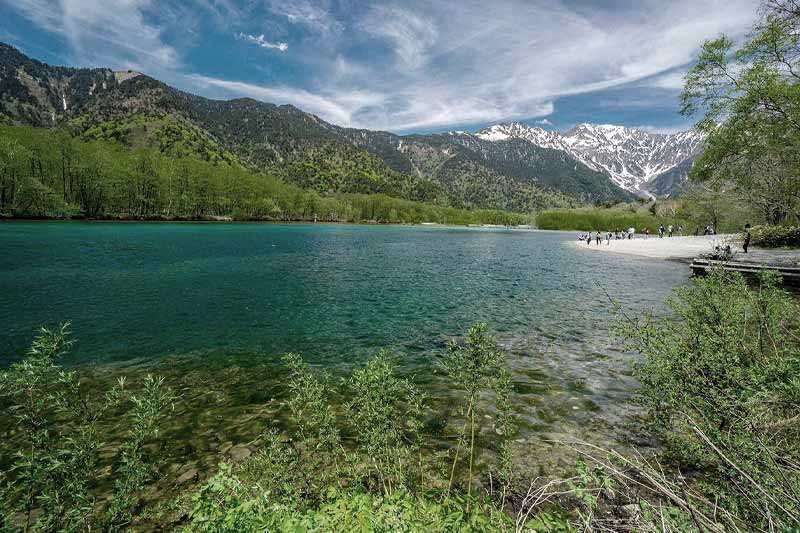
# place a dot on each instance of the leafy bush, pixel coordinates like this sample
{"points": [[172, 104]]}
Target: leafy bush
{"points": [[474, 367], [221, 507], [48, 486], [775, 236], [314, 482], [720, 383]]}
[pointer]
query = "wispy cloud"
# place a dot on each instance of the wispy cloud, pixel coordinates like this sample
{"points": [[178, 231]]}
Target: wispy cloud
{"points": [[410, 34], [544, 122], [261, 41], [405, 65], [666, 130], [115, 33], [314, 15], [338, 108]]}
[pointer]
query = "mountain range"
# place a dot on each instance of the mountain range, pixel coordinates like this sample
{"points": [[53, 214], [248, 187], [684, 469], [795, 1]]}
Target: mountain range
{"points": [[633, 159], [513, 167]]}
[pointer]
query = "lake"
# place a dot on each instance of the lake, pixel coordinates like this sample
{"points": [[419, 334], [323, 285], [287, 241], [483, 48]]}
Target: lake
{"points": [[214, 305]]}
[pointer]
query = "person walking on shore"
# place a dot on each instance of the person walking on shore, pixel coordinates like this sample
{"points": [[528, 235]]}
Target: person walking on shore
{"points": [[746, 243], [670, 230], [680, 231], [661, 231], [588, 238], [598, 238]]}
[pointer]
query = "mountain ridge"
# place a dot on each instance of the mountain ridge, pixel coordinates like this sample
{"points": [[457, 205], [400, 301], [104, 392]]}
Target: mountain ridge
{"points": [[631, 157], [299, 147]]}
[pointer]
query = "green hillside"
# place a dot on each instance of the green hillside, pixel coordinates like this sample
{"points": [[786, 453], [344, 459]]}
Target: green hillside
{"points": [[300, 148], [51, 173]]}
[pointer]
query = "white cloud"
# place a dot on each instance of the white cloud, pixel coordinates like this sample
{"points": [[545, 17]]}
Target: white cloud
{"points": [[262, 42], [115, 33], [544, 122], [410, 34], [649, 128], [338, 108], [672, 80], [412, 64], [313, 15]]}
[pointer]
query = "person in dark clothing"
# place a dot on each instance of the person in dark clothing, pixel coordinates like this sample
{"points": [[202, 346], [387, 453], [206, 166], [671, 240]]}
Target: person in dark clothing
{"points": [[589, 238], [696, 232], [598, 237], [746, 243]]}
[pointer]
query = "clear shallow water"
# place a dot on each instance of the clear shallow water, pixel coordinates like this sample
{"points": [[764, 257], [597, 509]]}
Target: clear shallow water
{"points": [[225, 296]]}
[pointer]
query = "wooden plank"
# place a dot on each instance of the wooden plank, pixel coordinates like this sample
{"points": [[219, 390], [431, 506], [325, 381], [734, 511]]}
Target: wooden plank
{"points": [[742, 269], [762, 266]]}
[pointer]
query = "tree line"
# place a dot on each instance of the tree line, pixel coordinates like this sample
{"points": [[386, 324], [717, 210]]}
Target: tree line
{"points": [[49, 173]]}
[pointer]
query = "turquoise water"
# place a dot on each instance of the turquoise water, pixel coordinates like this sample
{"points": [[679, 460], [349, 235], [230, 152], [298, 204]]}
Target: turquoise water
{"points": [[333, 293], [227, 295]]}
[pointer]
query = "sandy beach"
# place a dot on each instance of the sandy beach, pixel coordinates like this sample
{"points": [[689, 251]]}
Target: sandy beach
{"points": [[665, 248]]}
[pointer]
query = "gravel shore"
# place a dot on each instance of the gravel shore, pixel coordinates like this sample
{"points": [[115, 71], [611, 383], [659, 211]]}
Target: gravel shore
{"points": [[665, 248]]}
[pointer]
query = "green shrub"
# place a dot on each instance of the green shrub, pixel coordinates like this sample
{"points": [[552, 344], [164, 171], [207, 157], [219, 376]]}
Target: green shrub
{"points": [[49, 485], [220, 507], [289, 486], [720, 384], [476, 366], [775, 236], [386, 415]]}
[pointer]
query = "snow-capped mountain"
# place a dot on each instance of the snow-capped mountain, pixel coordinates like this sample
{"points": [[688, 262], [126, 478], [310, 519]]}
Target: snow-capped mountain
{"points": [[515, 130], [630, 157]]}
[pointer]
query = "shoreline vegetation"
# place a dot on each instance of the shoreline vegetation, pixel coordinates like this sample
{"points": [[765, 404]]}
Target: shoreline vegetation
{"points": [[51, 174], [363, 456]]}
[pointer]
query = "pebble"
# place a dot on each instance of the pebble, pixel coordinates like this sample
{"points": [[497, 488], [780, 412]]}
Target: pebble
{"points": [[190, 475], [240, 452]]}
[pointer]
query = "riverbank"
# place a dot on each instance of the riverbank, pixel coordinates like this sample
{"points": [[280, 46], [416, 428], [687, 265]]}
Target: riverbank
{"points": [[687, 248], [681, 248]]}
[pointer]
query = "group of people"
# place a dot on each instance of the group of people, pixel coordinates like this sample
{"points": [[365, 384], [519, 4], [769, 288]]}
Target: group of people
{"points": [[598, 237], [619, 234], [669, 230]]}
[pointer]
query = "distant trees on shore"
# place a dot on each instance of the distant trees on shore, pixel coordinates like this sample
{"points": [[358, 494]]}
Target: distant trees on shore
{"points": [[49, 173]]}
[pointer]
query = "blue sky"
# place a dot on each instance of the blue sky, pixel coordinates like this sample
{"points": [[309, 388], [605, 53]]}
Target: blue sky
{"points": [[404, 66]]}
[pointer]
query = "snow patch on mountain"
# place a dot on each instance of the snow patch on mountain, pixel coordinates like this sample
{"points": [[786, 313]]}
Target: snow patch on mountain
{"points": [[630, 157]]}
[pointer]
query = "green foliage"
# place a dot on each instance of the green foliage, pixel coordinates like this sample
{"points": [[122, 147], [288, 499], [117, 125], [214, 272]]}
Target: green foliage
{"points": [[610, 219], [49, 173], [474, 366], [775, 236], [720, 384], [220, 507], [137, 465], [309, 404], [284, 487], [48, 486], [587, 486], [386, 415], [749, 98]]}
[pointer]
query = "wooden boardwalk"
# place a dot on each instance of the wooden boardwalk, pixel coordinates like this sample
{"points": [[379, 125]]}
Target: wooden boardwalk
{"points": [[785, 262]]}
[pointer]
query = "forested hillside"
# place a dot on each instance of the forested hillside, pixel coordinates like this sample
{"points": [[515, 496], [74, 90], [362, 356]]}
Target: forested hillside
{"points": [[294, 146], [51, 173], [528, 165]]}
